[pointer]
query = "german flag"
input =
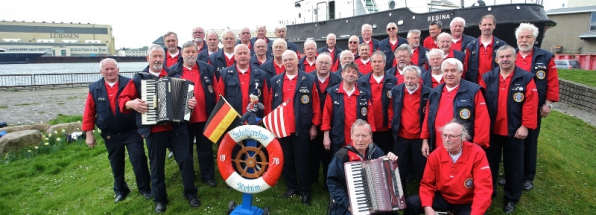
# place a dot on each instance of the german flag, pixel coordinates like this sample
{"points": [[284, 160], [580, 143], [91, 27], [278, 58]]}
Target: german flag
{"points": [[221, 118]]}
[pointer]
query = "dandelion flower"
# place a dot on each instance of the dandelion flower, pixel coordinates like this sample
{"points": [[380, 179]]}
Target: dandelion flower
{"points": [[50, 135], [29, 150], [58, 139], [47, 139], [55, 132], [36, 147], [46, 143], [63, 130]]}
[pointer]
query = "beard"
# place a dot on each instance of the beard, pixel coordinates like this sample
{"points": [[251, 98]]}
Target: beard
{"points": [[157, 66], [198, 40], [190, 60], [411, 86], [525, 47]]}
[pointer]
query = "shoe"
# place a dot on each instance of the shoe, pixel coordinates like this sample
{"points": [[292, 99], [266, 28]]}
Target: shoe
{"points": [[120, 198], [210, 182], [193, 201], [509, 207], [305, 200], [502, 182], [160, 207], [147, 195], [289, 194], [528, 185], [171, 155]]}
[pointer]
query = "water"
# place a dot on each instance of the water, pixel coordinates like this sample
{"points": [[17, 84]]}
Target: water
{"points": [[23, 75], [47, 68]]}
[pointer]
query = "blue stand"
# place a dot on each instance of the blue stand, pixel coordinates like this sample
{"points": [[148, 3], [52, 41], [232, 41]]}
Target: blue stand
{"points": [[246, 207]]}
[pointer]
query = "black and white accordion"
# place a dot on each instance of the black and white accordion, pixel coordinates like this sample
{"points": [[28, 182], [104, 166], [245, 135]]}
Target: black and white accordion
{"points": [[374, 186], [167, 100]]}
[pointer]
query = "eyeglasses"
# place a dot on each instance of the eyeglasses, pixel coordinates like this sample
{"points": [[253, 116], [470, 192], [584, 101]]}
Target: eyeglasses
{"points": [[450, 136], [198, 32], [245, 33], [353, 42], [390, 29]]}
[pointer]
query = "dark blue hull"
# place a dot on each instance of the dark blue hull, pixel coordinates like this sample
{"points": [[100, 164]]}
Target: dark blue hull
{"points": [[16, 57]]}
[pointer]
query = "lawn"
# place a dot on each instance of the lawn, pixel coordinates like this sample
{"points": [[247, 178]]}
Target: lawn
{"points": [[77, 180], [587, 77]]}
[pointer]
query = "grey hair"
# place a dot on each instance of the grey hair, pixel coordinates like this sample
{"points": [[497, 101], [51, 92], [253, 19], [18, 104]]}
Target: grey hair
{"points": [[363, 45], [289, 52], [280, 27], [324, 55], [310, 41], [170, 33], [239, 46], [465, 135], [413, 68], [444, 34], [154, 47], [413, 31], [380, 53], [106, 60], [437, 23], [280, 40], [489, 16], [345, 52], [366, 26], [360, 122], [189, 44], [404, 47], [458, 19], [433, 52], [228, 32], [505, 47], [526, 26], [454, 62]]}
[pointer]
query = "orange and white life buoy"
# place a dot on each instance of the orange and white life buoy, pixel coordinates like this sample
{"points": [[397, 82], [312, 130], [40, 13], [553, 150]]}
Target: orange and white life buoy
{"points": [[274, 163]]}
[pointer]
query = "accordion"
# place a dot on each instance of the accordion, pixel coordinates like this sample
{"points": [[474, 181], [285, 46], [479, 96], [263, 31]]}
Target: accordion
{"points": [[167, 100], [374, 186]]}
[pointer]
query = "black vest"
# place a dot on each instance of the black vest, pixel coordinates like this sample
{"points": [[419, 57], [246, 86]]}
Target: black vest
{"points": [[389, 81], [303, 96], [338, 115], [463, 107], [333, 80], [515, 99], [207, 81], [105, 118], [472, 50], [540, 60], [233, 93], [397, 97]]}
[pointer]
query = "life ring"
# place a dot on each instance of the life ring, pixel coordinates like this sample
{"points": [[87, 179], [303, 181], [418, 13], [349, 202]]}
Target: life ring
{"points": [[265, 172]]}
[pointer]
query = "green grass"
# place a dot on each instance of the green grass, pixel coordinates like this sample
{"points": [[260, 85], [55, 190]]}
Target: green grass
{"points": [[587, 77], [3, 106], [61, 118], [77, 180]]}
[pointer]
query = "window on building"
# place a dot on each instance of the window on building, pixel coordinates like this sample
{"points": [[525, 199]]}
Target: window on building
{"points": [[593, 22]]}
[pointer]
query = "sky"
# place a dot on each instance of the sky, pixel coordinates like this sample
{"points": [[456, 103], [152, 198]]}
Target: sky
{"points": [[137, 24]]}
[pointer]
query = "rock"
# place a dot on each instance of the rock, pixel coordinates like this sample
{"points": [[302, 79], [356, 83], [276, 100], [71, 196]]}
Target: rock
{"points": [[67, 127], [19, 139], [42, 127]]}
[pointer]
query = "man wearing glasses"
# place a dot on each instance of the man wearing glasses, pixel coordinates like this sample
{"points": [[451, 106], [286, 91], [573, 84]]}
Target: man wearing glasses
{"points": [[456, 177], [198, 36], [389, 44], [245, 39]]}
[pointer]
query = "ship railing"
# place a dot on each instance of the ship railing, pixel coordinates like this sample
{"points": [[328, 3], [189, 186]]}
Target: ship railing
{"points": [[35, 81]]}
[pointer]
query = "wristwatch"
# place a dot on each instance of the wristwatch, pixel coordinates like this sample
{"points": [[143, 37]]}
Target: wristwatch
{"points": [[550, 105]]}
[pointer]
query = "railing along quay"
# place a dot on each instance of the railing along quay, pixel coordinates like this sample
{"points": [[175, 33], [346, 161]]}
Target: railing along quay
{"points": [[51, 79]]}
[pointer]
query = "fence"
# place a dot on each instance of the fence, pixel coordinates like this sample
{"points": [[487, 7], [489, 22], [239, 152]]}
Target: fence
{"points": [[51, 79]]}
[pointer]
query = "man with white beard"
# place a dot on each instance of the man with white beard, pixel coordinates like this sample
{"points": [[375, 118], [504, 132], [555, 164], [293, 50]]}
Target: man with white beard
{"points": [[540, 63], [403, 57], [406, 106]]}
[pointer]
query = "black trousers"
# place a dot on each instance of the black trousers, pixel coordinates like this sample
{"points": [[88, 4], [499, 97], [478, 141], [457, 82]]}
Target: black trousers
{"points": [[315, 158], [295, 170], [439, 203], [512, 150], [410, 159], [156, 143], [531, 151], [384, 140], [204, 150], [116, 142]]}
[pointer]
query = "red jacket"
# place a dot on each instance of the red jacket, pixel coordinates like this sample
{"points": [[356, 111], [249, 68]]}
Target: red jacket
{"points": [[467, 181]]}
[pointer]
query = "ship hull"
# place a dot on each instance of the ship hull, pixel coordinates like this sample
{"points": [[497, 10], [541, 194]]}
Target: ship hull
{"points": [[18, 58], [508, 17]]}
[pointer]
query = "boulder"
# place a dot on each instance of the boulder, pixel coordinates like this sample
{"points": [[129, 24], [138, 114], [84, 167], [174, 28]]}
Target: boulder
{"points": [[42, 127], [67, 127], [19, 139]]}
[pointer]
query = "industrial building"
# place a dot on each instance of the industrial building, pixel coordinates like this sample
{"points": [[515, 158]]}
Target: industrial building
{"points": [[57, 39]]}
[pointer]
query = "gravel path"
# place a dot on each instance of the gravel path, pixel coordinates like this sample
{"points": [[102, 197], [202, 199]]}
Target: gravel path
{"points": [[28, 107]]}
